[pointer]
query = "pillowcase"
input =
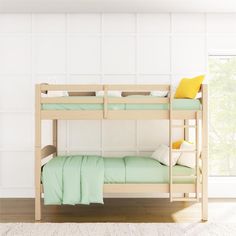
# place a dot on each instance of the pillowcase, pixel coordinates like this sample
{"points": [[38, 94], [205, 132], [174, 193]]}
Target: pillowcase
{"points": [[188, 88], [159, 93], [177, 144], [187, 158], [161, 154], [109, 93]]}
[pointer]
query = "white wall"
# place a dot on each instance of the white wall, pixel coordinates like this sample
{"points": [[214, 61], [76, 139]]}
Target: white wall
{"points": [[94, 48]]}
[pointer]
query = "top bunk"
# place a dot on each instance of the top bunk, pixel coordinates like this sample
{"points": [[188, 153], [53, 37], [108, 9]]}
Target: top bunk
{"points": [[115, 102]]}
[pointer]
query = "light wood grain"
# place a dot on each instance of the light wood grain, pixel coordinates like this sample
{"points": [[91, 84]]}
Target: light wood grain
{"points": [[170, 146], [37, 153], [55, 135], [169, 114], [205, 152]]}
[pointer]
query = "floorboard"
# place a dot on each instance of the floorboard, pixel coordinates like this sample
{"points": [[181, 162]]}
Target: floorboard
{"points": [[119, 210]]}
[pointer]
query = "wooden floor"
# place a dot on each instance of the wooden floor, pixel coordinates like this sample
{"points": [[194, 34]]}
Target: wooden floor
{"points": [[119, 210]]}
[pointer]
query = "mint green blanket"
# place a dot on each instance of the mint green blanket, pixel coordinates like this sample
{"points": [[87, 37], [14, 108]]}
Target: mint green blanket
{"points": [[73, 180]]}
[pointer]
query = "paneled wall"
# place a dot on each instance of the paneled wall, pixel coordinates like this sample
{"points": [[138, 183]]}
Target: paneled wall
{"points": [[94, 48]]}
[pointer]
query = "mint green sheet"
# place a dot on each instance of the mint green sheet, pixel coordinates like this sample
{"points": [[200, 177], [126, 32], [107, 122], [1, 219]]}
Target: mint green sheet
{"points": [[178, 104], [73, 180], [79, 179], [133, 169]]}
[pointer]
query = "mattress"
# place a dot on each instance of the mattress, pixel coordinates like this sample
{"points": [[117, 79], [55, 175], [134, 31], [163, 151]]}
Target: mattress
{"points": [[140, 169], [136, 169], [178, 104]]}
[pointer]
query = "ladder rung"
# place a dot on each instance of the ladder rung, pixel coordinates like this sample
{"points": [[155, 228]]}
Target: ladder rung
{"points": [[181, 199], [183, 150], [183, 126], [184, 176]]}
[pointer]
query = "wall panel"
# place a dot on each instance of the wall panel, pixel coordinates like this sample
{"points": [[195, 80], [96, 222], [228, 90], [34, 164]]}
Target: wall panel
{"points": [[94, 48]]}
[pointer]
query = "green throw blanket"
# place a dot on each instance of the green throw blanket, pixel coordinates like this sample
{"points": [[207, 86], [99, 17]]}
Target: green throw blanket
{"points": [[73, 180]]}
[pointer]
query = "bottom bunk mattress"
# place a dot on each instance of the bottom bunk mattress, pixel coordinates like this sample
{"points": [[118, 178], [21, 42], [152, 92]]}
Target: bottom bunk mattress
{"points": [[136, 169], [79, 179]]}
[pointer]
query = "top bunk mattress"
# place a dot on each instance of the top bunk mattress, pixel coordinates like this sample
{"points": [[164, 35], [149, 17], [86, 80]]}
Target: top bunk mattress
{"points": [[178, 104]]}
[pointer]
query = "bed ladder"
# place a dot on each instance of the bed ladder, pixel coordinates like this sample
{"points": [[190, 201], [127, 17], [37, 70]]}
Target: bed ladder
{"points": [[196, 176]]}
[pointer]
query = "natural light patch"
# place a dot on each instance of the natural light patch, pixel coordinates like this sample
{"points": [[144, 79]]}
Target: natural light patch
{"points": [[222, 115]]}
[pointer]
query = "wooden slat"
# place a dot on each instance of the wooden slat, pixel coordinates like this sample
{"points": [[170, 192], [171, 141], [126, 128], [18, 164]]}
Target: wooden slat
{"points": [[72, 87], [48, 150], [113, 114], [183, 150], [137, 100], [96, 87], [71, 100], [145, 188], [184, 176], [137, 115], [148, 188], [140, 87], [184, 114], [71, 115], [184, 126], [185, 199]]}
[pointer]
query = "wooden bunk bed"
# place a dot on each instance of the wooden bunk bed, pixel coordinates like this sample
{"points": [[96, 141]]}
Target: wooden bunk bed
{"points": [[199, 186]]}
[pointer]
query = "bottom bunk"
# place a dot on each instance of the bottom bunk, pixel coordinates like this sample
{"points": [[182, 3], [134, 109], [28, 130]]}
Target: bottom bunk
{"points": [[84, 179]]}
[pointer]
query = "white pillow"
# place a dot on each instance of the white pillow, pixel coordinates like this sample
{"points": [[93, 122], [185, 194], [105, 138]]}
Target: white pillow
{"points": [[161, 154], [159, 93], [187, 158], [109, 93]]}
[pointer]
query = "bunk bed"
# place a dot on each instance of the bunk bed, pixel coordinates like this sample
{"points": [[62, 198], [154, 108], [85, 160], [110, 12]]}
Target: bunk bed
{"points": [[128, 108]]}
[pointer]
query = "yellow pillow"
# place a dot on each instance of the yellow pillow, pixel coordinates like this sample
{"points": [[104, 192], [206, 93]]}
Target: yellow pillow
{"points": [[188, 88], [177, 144]]}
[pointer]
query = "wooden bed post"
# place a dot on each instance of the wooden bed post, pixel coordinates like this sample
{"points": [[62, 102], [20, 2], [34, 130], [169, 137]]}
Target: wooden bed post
{"points": [[54, 135], [204, 153], [170, 146], [186, 137], [186, 130], [37, 153]]}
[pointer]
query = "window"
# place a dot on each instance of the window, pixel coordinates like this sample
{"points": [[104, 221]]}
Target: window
{"points": [[222, 115]]}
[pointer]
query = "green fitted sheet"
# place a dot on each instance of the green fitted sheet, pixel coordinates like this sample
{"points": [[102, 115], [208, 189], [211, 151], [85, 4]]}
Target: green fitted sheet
{"points": [[133, 169], [178, 104]]}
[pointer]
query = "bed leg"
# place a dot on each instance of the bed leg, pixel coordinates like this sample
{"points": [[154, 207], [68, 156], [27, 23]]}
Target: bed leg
{"points": [[37, 204], [204, 187], [37, 153], [38, 183]]}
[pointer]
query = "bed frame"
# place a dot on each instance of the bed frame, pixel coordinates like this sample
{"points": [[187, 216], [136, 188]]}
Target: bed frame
{"points": [[200, 185]]}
